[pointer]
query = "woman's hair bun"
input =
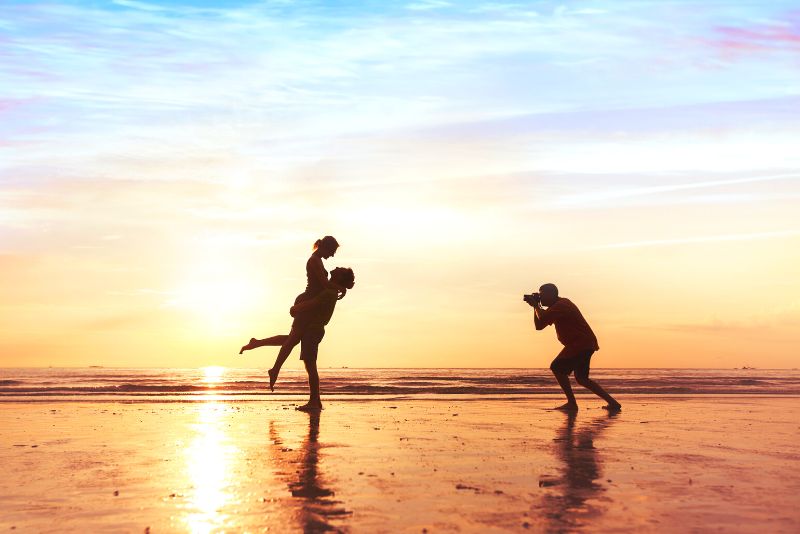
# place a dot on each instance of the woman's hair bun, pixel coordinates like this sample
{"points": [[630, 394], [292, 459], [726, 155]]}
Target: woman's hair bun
{"points": [[328, 240]]}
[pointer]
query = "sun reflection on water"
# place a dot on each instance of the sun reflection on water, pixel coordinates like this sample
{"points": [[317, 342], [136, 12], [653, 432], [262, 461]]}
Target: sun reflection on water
{"points": [[212, 374], [209, 460]]}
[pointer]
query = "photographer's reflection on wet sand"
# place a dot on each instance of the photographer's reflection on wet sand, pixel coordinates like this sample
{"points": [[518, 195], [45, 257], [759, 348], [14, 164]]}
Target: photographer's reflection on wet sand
{"points": [[572, 500], [300, 469]]}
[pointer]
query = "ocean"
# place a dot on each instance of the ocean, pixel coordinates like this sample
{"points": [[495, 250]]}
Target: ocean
{"points": [[32, 384]]}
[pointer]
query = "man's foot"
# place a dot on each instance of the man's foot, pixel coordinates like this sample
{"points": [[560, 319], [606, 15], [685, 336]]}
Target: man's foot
{"points": [[309, 408], [568, 407], [249, 345], [273, 376], [615, 407]]}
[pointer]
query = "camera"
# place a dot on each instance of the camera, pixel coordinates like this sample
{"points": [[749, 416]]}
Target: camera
{"points": [[532, 299]]}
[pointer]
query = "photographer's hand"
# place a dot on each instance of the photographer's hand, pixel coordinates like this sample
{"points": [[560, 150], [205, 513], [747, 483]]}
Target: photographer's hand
{"points": [[537, 317]]}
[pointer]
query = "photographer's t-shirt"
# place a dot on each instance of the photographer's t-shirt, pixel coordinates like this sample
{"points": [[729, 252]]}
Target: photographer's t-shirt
{"points": [[571, 328]]}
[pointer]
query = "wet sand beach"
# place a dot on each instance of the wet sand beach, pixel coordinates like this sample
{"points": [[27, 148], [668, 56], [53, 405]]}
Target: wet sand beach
{"points": [[436, 464]]}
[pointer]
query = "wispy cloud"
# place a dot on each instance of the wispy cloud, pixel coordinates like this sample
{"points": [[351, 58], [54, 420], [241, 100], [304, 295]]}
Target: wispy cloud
{"points": [[781, 34], [426, 5], [145, 6], [601, 198], [701, 239]]}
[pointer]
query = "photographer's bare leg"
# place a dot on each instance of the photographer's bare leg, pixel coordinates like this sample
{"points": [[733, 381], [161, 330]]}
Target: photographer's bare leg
{"points": [[595, 388], [563, 381]]}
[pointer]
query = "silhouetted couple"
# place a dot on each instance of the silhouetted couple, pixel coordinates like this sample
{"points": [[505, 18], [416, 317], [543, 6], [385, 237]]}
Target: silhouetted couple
{"points": [[312, 310], [579, 343]]}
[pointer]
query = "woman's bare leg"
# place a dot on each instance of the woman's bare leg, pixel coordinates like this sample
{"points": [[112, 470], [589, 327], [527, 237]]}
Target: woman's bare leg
{"points": [[274, 341], [288, 344]]}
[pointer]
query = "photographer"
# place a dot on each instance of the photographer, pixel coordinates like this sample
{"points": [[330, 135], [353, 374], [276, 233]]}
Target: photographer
{"points": [[578, 339]]}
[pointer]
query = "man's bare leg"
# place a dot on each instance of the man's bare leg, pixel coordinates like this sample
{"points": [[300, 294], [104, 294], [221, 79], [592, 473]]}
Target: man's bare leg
{"points": [[274, 341], [595, 388], [313, 384], [563, 381], [314, 400]]}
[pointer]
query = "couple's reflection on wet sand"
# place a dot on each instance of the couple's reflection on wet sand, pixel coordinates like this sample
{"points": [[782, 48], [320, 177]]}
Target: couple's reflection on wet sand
{"points": [[316, 506], [574, 498]]}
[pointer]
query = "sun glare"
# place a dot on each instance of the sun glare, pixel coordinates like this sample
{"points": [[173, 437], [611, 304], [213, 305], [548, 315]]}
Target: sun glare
{"points": [[217, 294], [212, 374], [209, 458]]}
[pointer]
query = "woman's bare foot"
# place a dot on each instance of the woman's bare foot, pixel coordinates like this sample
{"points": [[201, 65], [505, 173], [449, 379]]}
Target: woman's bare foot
{"points": [[273, 376], [249, 345], [568, 407], [613, 407], [309, 408]]}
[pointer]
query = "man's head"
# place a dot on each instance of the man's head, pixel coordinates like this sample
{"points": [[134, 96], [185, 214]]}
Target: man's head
{"points": [[344, 277], [549, 294]]}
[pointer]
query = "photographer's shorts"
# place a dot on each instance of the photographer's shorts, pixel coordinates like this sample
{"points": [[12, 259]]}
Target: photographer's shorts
{"points": [[565, 363], [309, 343]]}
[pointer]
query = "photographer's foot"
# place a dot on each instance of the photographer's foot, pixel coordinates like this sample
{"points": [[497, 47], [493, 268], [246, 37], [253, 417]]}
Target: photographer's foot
{"points": [[568, 407]]}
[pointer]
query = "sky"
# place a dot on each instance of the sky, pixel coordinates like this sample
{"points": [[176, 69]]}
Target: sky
{"points": [[166, 166]]}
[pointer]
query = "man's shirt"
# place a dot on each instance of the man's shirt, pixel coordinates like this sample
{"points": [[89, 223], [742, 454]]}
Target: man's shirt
{"points": [[321, 313], [572, 329]]}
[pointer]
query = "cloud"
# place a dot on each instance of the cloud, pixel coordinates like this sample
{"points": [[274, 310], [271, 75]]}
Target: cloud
{"points": [[138, 5], [780, 35], [426, 5], [712, 327], [120, 321], [700, 240], [778, 318], [599, 198]]}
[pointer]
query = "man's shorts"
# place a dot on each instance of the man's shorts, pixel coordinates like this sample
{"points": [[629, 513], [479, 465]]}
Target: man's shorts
{"points": [[309, 343], [578, 362]]}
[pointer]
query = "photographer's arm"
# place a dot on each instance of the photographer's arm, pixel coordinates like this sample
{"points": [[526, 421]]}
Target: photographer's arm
{"points": [[538, 319], [539, 313]]}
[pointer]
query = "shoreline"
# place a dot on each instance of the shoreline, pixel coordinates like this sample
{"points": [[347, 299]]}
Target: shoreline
{"points": [[272, 397]]}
